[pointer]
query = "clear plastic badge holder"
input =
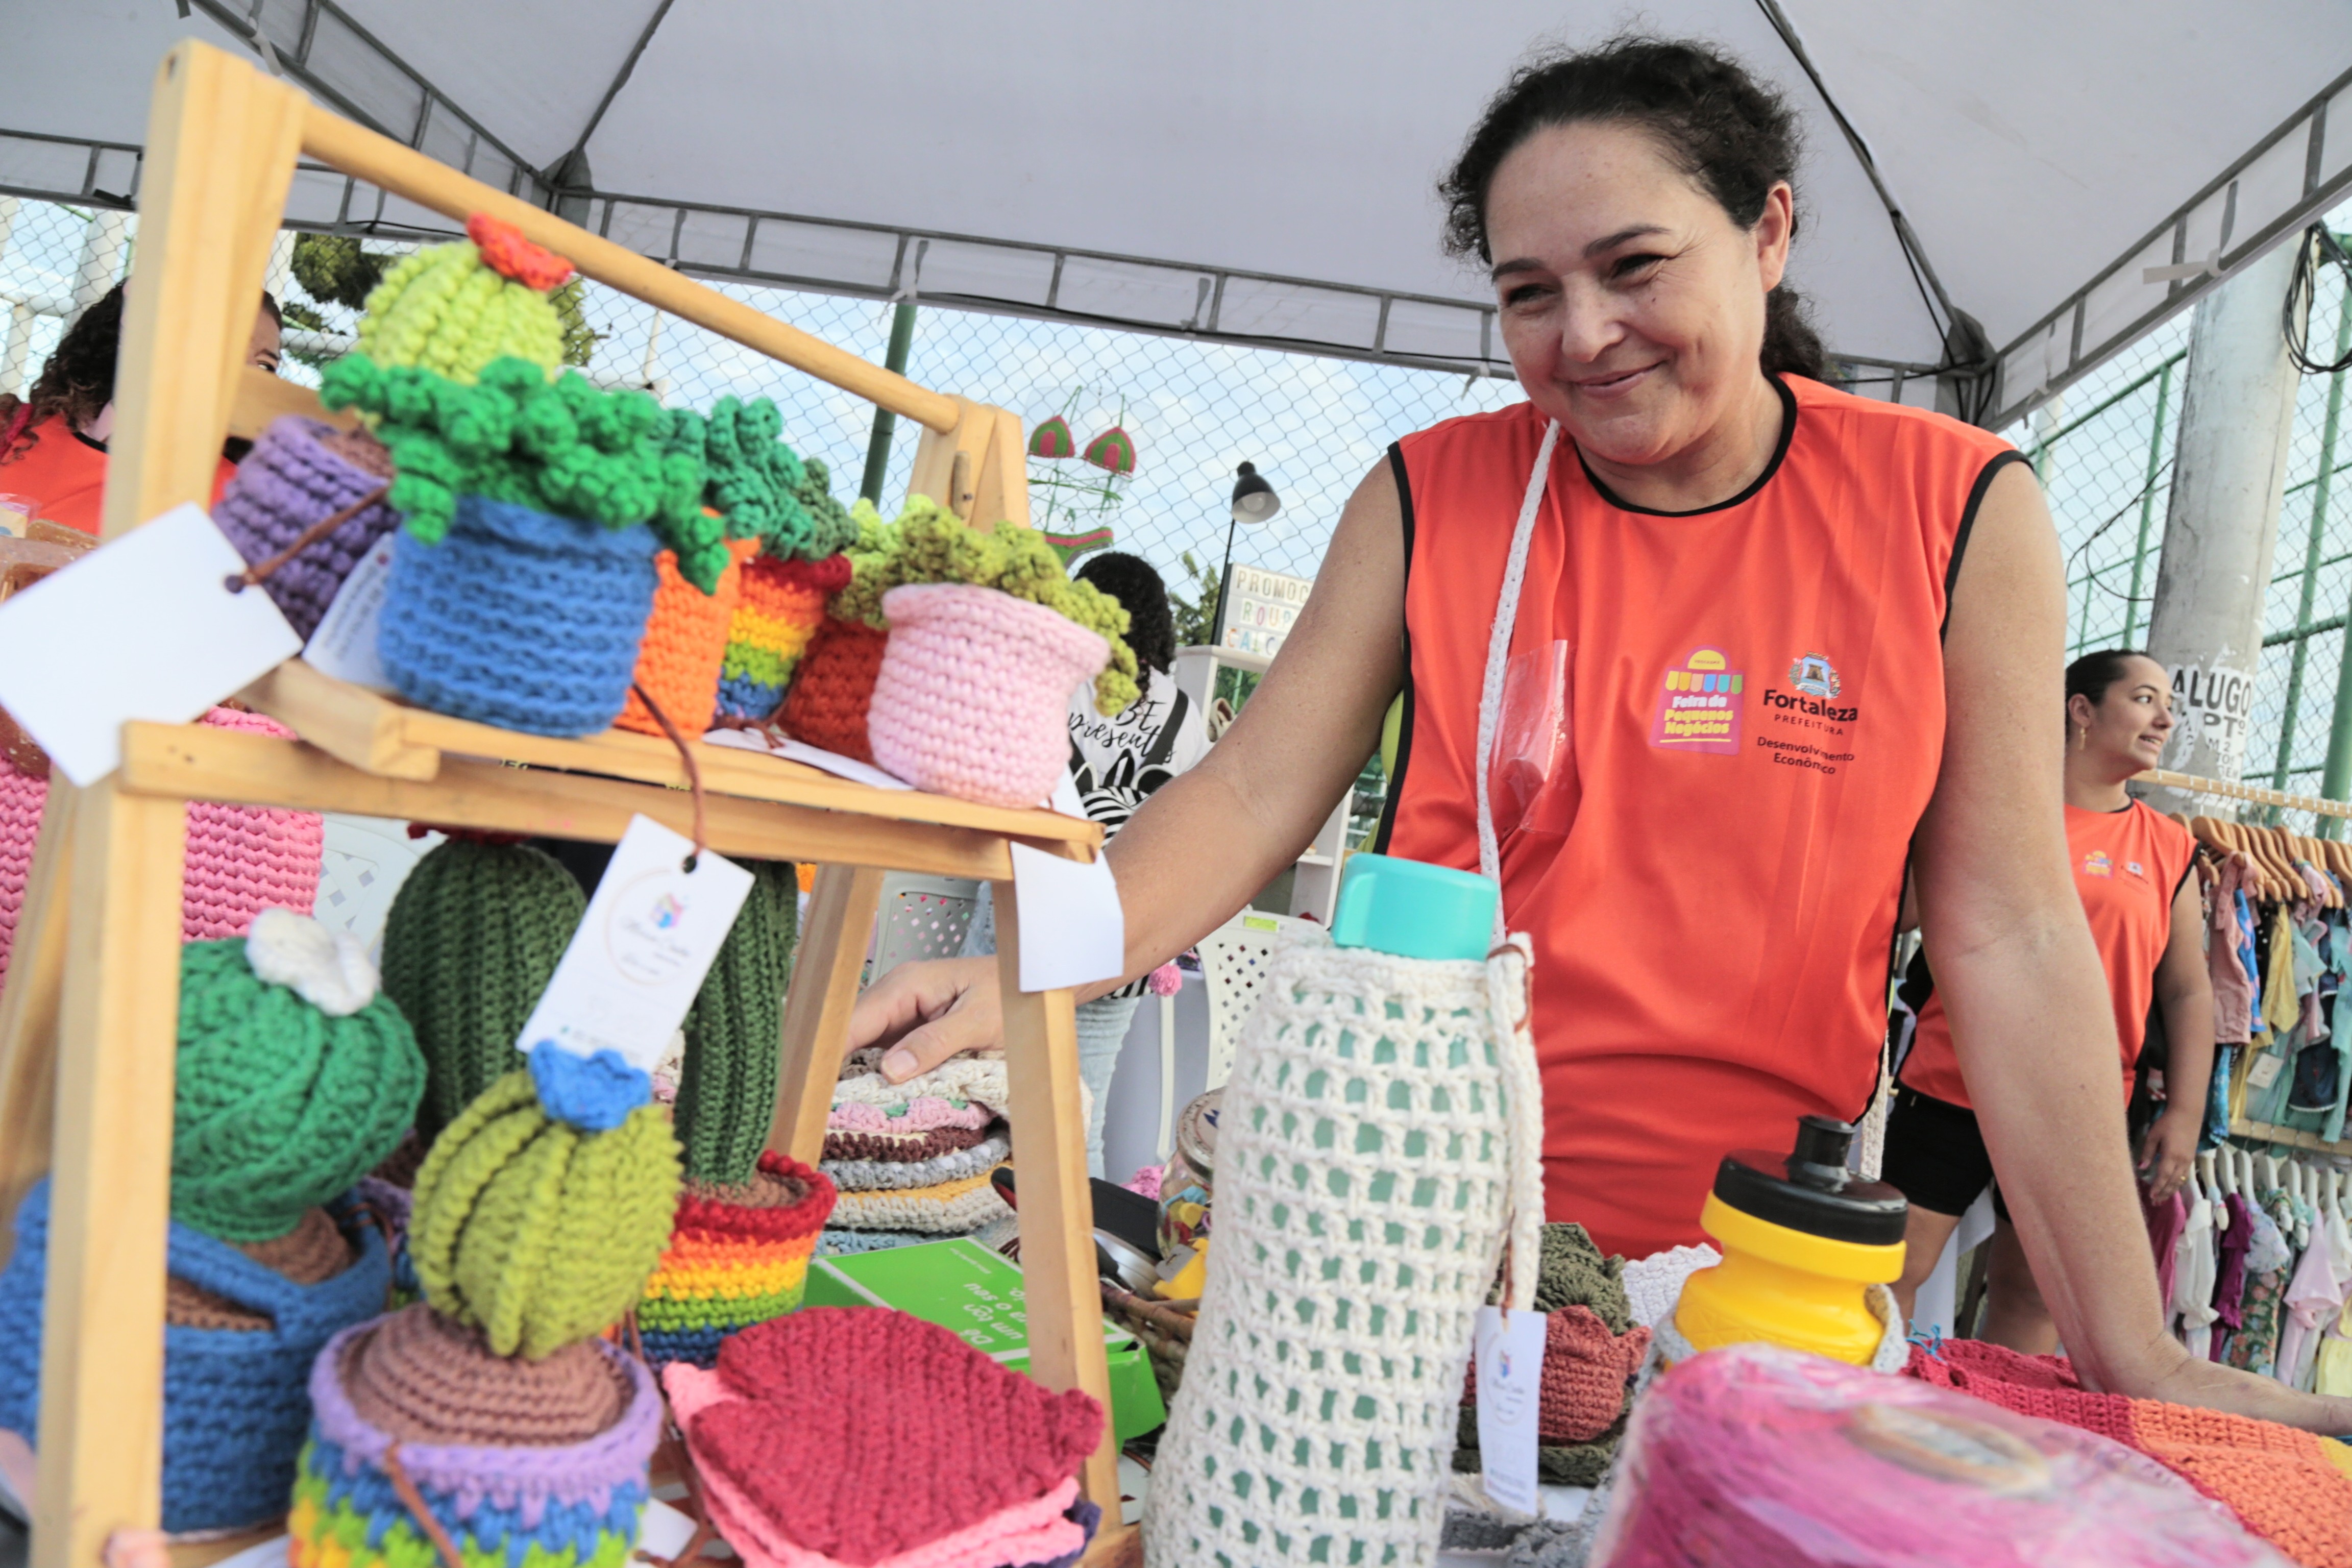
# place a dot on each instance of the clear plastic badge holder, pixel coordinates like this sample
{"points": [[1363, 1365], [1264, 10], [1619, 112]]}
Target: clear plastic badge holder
{"points": [[1531, 769]]}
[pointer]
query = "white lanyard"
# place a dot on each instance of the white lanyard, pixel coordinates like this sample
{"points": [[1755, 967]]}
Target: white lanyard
{"points": [[1498, 656]]}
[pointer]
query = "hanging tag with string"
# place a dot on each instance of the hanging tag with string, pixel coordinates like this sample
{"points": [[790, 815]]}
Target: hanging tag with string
{"points": [[625, 983]]}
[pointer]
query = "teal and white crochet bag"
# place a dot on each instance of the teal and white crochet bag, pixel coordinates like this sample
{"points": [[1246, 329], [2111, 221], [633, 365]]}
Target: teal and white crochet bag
{"points": [[1382, 1128]]}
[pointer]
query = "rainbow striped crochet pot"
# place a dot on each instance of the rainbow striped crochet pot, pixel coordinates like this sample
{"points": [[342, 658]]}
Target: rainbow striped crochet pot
{"points": [[563, 1505], [782, 603], [733, 1264]]}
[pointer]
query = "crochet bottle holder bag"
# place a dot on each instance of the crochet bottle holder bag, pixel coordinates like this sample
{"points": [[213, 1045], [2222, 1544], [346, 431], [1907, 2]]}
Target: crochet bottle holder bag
{"points": [[973, 695], [737, 1256], [519, 618], [831, 690], [685, 643], [235, 1400], [1378, 1126], [782, 604], [300, 473], [540, 1463]]}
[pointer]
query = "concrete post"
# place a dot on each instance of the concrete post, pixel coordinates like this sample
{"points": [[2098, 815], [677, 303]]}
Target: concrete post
{"points": [[2229, 474]]}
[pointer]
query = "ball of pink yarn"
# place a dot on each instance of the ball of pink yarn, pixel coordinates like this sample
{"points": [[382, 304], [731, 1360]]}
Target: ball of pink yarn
{"points": [[975, 693], [243, 859]]}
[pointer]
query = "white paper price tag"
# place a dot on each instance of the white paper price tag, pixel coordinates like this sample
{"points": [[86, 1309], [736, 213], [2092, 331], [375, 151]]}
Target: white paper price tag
{"points": [[141, 627], [343, 645], [1073, 930], [1509, 1348], [641, 951], [2265, 1071]]}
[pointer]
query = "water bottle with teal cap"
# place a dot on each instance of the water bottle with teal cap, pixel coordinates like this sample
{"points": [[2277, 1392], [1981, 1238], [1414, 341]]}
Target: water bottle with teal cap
{"points": [[1414, 909]]}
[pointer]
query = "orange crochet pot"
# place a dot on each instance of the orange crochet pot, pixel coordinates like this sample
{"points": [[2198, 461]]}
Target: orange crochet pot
{"points": [[834, 687], [685, 641]]}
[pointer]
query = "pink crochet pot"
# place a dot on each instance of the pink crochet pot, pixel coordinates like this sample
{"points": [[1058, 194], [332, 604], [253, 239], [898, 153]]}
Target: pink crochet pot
{"points": [[974, 694], [241, 859]]}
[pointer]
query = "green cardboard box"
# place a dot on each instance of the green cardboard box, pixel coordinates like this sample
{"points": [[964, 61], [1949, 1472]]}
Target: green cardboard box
{"points": [[964, 1287]]}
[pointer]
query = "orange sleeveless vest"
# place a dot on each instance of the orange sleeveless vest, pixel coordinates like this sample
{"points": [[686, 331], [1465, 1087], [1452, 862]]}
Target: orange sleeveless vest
{"points": [[1755, 695]]}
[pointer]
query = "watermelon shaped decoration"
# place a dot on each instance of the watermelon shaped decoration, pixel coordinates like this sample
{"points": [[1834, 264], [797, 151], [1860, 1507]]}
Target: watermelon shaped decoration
{"points": [[1052, 439], [1114, 450], [1070, 546]]}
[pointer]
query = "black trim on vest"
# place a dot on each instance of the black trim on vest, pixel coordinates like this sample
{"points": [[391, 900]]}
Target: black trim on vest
{"points": [[1404, 723], [1779, 451], [1994, 465]]}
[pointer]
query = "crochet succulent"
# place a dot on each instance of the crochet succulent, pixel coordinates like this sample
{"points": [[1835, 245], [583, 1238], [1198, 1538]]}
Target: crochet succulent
{"points": [[762, 488], [929, 543], [537, 1233], [457, 309], [472, 940], [562, 446], [727, 1094], [279, 1103]]}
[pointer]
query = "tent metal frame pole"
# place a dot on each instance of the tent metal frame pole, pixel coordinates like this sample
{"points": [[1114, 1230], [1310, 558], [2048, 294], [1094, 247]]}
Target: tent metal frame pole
{"points": [[2082, 357]]}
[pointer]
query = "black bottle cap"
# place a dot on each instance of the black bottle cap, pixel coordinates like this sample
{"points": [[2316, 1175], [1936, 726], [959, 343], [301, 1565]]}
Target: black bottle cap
{"points": [[1811, 1190]]}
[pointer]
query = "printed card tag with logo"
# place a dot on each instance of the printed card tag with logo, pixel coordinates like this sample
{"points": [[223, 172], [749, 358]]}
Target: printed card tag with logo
{"points": [[641, 951], [344, 643], [1509, 1348]]}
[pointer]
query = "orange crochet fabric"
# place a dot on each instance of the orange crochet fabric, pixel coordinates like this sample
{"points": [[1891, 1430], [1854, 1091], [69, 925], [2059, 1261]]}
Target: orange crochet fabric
{"points": [[686, 639], [826, 706], [2281, 1483]]}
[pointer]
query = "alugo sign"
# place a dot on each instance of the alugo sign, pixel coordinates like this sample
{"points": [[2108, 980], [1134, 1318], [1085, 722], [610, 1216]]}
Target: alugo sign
{"points": [[1260, 608], [2214, 708]]}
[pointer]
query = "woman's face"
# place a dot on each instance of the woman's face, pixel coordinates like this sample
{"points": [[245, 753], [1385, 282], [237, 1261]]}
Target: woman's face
{"points": [[2128, 727], [1631, 305]]}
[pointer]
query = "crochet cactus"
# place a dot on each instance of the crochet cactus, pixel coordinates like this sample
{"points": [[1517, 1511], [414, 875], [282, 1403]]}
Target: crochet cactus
{"points": [[762, 488], [472, 940], [929, 543], [563, 447], [535, 1232], [278, 1104], [727, 1094], [457, 309]]}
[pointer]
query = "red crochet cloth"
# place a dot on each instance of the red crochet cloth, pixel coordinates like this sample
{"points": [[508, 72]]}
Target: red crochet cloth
{"points": [[2279, 1481], [1585, 1371], [841, 1406]]}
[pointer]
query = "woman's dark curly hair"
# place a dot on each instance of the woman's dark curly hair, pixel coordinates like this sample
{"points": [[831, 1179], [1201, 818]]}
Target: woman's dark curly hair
{"points": [[1142, 592], [1729, 133], [77, 382]]}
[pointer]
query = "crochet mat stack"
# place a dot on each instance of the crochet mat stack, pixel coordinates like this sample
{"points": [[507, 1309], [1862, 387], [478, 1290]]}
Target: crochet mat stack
{"points": [[808, 1432], [912, 1159]]}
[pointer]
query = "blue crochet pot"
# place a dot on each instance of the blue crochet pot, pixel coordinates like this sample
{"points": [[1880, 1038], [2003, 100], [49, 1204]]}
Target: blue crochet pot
{"points": [[237, 1404], [519, 618]]}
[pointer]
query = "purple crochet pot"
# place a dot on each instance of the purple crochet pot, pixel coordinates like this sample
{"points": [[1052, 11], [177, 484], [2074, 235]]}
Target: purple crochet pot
{"points": [[298, 472]]}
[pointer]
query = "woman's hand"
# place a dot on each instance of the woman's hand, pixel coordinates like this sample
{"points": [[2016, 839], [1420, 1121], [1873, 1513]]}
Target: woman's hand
{"points": [[927, 1012], [2169, 1151], [2180, 1378]]}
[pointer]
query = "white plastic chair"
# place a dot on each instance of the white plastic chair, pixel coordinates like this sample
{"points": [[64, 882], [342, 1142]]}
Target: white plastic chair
{"points": [[920, 917], [1232, 962]]}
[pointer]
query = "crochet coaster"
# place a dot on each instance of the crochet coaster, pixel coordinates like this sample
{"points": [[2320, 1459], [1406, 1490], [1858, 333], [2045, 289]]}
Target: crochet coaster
{"points": [[964, 1077], [949, 1209], [2281, 1482], [889, 1175], [837, 1242], [903, 1148], [1571, 1275], [812, 1419], [421, 1378], [918, 1115]]}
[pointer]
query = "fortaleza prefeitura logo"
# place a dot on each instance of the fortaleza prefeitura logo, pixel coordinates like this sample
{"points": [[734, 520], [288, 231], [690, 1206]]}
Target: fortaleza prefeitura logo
{"points": [[1815, 685]]}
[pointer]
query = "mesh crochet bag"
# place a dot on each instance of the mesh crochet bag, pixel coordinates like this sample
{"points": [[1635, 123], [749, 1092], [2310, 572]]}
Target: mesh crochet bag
{"points": [[1378, 1128]]}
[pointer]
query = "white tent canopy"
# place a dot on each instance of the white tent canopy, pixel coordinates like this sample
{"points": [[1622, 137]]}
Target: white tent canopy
{"points": [[1264, 172]]}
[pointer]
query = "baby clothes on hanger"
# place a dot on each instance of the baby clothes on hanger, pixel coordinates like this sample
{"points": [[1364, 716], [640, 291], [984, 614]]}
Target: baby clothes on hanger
{"points": [[2193, 1270], [2229, 1284], [2234, 987], [2269, 1263], [2166, 1217], [2314, 1295], [2280, 1005]]}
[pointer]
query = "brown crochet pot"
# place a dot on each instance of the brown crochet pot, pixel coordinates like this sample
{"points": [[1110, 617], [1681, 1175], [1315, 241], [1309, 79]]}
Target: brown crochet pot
{"points": [[425, 1378], [313, 1252], [834, 687]]}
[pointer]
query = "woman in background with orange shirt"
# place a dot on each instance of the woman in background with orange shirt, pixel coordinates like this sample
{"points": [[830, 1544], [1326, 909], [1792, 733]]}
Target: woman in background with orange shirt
{"points": [[53, 441], [1805, 635]]}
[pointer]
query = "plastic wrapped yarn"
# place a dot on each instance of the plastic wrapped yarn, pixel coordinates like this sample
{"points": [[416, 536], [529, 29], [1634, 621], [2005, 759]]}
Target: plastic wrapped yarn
{"points": [[1754, 1455]]}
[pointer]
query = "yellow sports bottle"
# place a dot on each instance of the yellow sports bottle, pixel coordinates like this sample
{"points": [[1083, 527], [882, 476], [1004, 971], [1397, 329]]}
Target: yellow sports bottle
{"points": [[1803, 1238]]}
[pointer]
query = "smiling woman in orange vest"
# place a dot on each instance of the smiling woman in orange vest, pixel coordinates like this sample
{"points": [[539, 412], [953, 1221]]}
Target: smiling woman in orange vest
{"points": [[1795, 636]]}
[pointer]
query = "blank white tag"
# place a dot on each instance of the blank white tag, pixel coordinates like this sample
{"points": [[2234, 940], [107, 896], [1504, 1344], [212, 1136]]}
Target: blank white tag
{"points": [[141, 627], [1509, 1347], [641, 951], [662, 1530], [344, 643], [2265, 1071], [1073, 932]]}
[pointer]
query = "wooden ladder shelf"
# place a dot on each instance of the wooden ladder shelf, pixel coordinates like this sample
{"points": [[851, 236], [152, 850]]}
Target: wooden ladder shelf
{"points": [[88, 1020]]}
